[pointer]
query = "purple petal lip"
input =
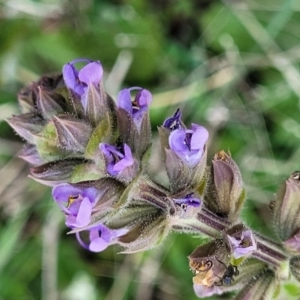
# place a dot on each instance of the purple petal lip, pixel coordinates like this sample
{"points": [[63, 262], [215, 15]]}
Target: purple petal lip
{"points": [[189, 144], [100, 237], [173, 122]]}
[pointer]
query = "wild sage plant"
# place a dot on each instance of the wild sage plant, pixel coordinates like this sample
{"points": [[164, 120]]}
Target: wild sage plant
{"points": [[96, 155]]}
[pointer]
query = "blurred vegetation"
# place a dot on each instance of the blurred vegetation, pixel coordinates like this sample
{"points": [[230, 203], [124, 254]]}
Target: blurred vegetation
{"points": [[232, 66]]}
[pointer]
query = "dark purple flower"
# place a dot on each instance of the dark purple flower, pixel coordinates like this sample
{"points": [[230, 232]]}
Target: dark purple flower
{"points": [[138, 106], [100, 237], [188, 200], [76, 203], [78, 81], [173, 122], [118, 158], [188, 144], [243, 245]]}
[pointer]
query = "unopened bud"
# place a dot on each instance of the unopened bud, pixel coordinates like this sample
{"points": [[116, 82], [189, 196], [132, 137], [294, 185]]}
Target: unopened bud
{"points": [[287, 212], [225, 192]]}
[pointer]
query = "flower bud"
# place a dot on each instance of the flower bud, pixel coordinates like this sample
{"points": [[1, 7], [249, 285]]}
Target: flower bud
{"points": [[225, 193], [287, 212]]}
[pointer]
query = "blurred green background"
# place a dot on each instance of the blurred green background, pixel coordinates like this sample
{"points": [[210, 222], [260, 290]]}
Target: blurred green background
{"points": [[232, 66]]}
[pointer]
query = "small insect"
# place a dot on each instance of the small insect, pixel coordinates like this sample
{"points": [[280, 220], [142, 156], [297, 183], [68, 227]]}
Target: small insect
{"points": [[201, 266], [227, 277]]}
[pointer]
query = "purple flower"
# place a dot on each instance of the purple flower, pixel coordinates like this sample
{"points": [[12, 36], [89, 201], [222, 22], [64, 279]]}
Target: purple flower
{"points": [[76, 203], [188, 200], [78, 81], [118, 158], [100, 237], [242, 245], [188, 144], [173, 122], [138, 107]]}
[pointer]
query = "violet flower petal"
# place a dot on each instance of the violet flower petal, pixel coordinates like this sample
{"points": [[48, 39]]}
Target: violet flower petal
{"points": [[144, 99], [91, 73], [124, 100], [98, 245], [70, 76], [84, 213], [100, 237], [199, 137], [126, 161]]}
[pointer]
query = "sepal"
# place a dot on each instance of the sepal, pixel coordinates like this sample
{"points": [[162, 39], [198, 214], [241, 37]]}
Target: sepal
{"points": [[50, 104], [261, 286], [148, 233], [26, 125], [61, 171], [30, 154], [72, 134]]}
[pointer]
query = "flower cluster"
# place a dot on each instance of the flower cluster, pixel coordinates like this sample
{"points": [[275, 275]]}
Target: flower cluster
{"points": [[96, 154]]}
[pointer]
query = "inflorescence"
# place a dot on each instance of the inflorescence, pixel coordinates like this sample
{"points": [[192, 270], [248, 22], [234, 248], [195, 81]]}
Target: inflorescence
{"points": [[96, 154]]}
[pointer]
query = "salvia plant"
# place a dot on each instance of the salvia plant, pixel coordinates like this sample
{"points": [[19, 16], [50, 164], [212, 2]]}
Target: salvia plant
{"points": [[96, 154]]}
